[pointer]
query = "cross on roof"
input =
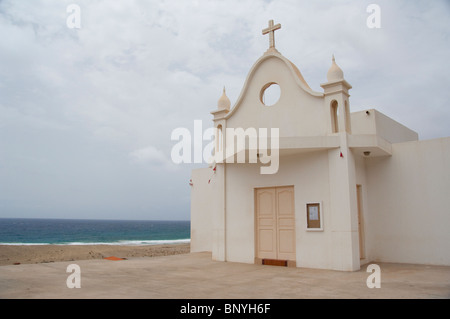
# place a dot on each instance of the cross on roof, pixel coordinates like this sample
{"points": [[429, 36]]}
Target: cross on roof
{"points": [[271, 31]]}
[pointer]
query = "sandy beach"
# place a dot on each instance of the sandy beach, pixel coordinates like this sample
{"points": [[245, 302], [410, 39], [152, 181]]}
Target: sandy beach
{"points": [[34, 254]]}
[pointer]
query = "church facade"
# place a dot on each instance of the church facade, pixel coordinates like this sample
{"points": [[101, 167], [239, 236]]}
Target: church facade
{"points": [[348, 188]]}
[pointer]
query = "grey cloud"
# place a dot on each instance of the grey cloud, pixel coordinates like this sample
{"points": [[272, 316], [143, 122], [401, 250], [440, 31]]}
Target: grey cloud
{"points": [[77, 106]]}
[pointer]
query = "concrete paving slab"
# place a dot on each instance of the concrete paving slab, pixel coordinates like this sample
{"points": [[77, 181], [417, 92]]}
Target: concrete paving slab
{"points": [[196, 276]]}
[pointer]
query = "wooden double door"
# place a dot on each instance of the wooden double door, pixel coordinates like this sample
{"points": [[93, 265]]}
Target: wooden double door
{"points": [[275, 223]]}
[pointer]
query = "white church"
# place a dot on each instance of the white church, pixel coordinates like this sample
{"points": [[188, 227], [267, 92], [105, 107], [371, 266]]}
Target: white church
{"points": [[350, 187]]}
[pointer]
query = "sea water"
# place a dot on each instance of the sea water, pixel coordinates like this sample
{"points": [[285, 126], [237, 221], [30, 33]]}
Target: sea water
{"points": [[29, 231]]}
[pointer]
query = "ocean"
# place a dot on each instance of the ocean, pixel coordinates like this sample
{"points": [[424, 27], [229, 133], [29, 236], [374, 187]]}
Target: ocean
{"points": [[30, 231]]}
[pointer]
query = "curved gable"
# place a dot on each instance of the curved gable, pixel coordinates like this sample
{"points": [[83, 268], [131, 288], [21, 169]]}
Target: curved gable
{"points": [[299, 110]]}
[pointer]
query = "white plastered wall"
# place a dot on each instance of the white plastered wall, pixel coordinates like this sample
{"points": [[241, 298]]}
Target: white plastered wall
{"points": [[409, 203], [374, 122], [308, 173], [361, 179], [201, 210]]}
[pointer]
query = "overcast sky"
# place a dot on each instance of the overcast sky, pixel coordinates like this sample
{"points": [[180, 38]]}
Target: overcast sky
{"points": [[86, 114]]}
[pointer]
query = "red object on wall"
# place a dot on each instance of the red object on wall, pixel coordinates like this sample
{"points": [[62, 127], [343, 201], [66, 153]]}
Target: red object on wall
{"points": [[214, 171]]}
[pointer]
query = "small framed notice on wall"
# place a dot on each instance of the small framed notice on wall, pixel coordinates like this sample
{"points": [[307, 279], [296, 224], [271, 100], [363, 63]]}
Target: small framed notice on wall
{"points": [[314, 216]]}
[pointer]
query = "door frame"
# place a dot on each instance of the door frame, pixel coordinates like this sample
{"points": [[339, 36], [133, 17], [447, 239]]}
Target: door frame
{"points": [[361, 233], [289, 263]]}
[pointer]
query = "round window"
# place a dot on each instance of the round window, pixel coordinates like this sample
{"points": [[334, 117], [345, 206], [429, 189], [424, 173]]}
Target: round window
{"points": [[270, 94]]}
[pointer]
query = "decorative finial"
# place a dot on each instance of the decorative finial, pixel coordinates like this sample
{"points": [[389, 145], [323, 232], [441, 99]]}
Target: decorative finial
{"points": [[224, 101], [271, 31], [335, 72]]}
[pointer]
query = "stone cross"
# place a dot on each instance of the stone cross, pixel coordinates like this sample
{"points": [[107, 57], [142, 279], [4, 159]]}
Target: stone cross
{"points": [[271, 31]]}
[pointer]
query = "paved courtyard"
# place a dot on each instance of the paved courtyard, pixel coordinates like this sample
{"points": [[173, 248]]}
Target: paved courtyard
{"points": [[195, 275]]}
